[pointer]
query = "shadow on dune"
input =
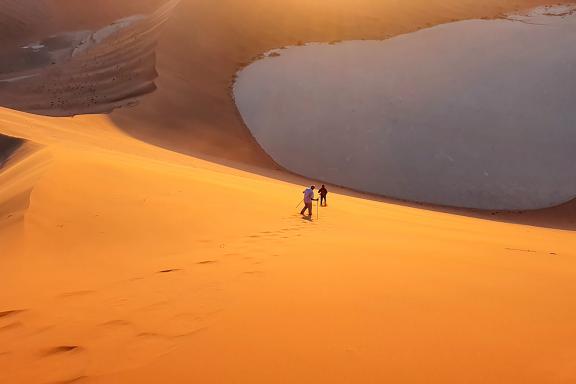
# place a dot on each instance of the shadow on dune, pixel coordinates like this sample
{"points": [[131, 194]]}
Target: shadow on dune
{"points": [[8, 145]]}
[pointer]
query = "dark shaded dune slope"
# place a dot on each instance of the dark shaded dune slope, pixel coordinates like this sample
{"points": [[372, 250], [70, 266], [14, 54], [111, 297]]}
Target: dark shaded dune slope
{"points": [[8, 145], [22, 163], [76, 15], [23, 19], [83, 71]]}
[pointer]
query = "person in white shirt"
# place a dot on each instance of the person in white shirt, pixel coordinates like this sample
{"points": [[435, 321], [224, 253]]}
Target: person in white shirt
{"points": [[308, 199]]}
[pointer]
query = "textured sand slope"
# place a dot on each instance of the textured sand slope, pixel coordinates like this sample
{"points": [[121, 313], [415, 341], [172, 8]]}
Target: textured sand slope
{"points": [[85, 71], [22, 19]]}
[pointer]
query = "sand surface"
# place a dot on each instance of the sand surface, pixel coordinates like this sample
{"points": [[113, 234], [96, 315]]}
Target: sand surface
{"points": [[122, 262], [133, 263]]}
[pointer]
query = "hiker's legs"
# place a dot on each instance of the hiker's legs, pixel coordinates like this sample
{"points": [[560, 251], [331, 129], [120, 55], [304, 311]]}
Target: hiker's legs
{"points": [[322, 200], [307, 206]]}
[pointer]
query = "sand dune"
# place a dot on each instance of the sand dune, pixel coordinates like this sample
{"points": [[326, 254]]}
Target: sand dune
{"points": [[86, 71], [129, 263]]}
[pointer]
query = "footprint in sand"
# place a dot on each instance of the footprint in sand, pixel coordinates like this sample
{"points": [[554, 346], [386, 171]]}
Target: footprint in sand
{"points": [[60, 350], [253, 272], [6, 314], [10, 327], [5, 360], [206, 262], [76, 294], [121, 345], [187, 324], [10, 321], [59, 364], [169, 270], [75, 380], [121, 348], [116, 324], [521, 250], [154, 306]]}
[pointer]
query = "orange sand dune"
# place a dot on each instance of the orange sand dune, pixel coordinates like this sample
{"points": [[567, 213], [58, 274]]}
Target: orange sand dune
{"points": [[123, 262], [134, 264]]}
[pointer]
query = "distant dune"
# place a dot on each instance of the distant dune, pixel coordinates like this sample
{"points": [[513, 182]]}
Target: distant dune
{"points": [[22, 20], [83, 71]]}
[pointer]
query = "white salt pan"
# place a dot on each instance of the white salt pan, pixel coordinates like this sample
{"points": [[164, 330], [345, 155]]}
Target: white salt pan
{"points": [[476, 113]]}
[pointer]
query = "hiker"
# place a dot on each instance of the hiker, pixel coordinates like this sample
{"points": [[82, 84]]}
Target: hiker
{"points": [[323, 193], [308, 199]]}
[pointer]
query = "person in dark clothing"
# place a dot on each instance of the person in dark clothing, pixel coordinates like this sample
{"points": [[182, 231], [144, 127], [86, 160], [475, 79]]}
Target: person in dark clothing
{"points": [[323, 193]]}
